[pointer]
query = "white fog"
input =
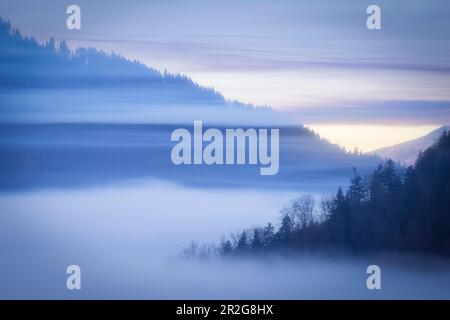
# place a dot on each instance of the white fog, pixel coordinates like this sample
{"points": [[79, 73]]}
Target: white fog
{"points": [[125, 238]]}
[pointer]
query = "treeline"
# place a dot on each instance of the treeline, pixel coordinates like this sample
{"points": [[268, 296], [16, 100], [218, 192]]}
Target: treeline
{"points": [[407, 211]]}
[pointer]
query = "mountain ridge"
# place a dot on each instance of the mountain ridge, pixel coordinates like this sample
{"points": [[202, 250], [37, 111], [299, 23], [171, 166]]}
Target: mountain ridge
{"points": [[104, 85]]}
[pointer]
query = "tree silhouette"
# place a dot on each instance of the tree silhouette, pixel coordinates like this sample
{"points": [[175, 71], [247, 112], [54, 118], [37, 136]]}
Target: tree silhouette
{"points": [[390, 210]]}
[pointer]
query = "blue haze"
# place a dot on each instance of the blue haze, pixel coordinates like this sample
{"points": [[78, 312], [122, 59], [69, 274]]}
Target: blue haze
{"points": [[84, 145]]}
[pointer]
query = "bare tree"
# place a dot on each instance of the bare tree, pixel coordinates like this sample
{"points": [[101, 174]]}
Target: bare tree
{"points": [[190, 252], [300, 211]]}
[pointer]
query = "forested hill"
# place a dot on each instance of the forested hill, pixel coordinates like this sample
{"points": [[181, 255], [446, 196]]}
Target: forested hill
{"points": [[49, 83], [406, 152], [385, 211], [27, 64]]}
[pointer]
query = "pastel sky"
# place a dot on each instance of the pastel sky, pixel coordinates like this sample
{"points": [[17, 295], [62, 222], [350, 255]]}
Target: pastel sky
{"points": [[315, 59]]}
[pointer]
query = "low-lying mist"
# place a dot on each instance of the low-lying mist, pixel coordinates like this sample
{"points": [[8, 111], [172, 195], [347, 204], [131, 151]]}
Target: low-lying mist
{"points": [[126, 239]]}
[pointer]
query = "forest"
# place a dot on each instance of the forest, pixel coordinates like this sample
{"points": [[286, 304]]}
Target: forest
{"points": [[27, 64], [390, 210]]}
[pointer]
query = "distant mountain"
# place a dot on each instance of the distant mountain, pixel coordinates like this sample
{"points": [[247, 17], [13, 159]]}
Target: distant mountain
{"points": [[406, 153]]}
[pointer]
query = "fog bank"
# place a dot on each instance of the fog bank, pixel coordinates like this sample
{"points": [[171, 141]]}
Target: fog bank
{"points": [[124, 238]]}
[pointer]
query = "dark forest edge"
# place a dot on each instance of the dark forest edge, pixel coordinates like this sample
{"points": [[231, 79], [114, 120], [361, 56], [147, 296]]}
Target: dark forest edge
{"points": [[387, 211]]}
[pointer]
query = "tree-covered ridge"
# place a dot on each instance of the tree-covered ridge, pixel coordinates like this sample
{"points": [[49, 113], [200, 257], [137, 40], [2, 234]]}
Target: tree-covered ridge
{"points": [[25, 64], [386, 211]]}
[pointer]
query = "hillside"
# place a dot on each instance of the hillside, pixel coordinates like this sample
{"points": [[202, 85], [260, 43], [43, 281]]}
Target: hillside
{"points": [[87, 117], [406, 153], [48, 82], [27, 64]]}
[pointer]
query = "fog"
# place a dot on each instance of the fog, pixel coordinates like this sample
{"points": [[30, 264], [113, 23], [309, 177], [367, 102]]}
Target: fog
{"points": [[126, 239]]}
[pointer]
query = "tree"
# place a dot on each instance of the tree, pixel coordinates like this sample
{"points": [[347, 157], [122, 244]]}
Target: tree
{"points": [[339, 221], [300, 211], [326, 205], [268, 235], [286, 229], [357, 192], [257, 241], [303, 210], [226, 249], [64, 49], [190, 252]]}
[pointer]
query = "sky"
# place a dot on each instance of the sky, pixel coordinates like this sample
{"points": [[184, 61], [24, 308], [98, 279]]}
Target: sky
{"points": [[314, 59]]}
